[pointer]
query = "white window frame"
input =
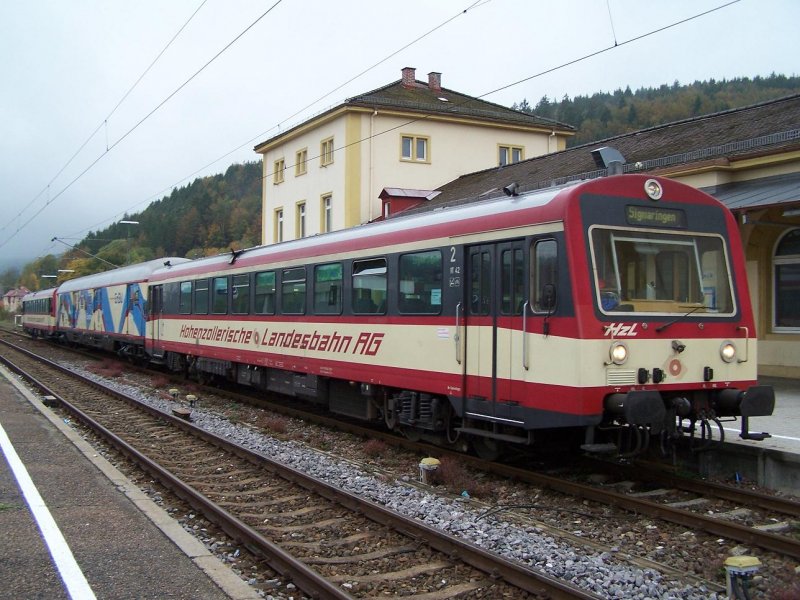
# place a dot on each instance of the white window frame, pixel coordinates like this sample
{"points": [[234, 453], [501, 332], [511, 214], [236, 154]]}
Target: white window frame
{"points": [[326, 210], [509, 150], [300, 220], [413, 154], [279, 224]]}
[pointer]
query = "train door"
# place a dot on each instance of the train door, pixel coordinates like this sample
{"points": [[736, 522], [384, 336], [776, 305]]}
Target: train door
{"points": [[493, 321], [156, 312]]}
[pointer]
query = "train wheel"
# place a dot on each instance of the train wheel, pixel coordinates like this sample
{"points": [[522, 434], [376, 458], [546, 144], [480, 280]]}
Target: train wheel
{"points": [[389, 413], [487, 448], [411, 434], [449, 426], [629, 441]]}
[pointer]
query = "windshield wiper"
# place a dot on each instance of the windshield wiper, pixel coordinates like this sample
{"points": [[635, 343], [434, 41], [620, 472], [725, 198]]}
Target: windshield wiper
{"points": [[661, 328]]}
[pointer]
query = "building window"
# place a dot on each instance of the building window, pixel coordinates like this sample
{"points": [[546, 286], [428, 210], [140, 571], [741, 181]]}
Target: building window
{"points": [[300, 162], [277, 173], [326, 152], [279, 225], [786, 275], [414, 148], [300, 220], [326, 207], [509, 154]]}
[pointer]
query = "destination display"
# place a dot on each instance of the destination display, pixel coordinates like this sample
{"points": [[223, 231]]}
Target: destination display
{"points": [[661, 217]]}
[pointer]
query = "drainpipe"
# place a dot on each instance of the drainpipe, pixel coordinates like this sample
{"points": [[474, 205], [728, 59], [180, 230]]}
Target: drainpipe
{"points": [[371, 163]]}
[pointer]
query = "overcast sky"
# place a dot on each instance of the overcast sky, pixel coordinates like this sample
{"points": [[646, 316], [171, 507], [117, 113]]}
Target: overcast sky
{"points": [[67, 65]]}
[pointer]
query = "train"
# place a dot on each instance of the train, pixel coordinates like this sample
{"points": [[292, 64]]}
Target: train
{"points": [[603, 315]]}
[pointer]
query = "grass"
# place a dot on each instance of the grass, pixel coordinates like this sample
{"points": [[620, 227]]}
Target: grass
{"points": [[374, 448], [107, 368], [454, 476]]}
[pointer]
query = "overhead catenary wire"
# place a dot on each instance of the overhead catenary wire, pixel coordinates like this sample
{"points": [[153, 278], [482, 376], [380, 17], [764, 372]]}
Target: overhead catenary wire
{"points": [[411, 121], [536, 75], [139, 123], [104, 122], [250, 141]]}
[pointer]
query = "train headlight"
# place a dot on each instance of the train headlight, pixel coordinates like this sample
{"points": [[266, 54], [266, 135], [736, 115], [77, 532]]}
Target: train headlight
{"points": [[618, 353], [727, 351], [653, 189]]}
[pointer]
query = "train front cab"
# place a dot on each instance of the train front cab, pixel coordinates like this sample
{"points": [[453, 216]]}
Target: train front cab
{"points": [[677, 341]]}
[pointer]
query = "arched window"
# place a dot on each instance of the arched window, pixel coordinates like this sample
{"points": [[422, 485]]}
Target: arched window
{"points": [[786, 276]]}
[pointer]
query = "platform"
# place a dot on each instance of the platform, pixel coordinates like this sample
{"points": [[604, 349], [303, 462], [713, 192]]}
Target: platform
{"points": [[74, 526], [773, 462], [783, 425]]}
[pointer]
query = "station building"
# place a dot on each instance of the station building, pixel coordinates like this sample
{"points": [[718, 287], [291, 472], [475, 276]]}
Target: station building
{"points": [[328, 172], [417, 145], [748, 158]]}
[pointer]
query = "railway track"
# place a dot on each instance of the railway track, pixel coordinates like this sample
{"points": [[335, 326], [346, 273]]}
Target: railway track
{"points": [[743, 515], [331, 543], [639, 492]]}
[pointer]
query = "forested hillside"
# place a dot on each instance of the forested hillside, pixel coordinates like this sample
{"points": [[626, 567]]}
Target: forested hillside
{"points": [[206, 217], [605, 114], [213, 214]]}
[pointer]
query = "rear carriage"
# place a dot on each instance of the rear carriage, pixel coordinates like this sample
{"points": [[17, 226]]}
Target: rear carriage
{"points": [[38, 313], [603, 312]]}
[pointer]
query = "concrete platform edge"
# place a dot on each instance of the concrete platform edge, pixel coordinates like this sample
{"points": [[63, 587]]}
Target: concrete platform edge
{"points": [[214, 568]]}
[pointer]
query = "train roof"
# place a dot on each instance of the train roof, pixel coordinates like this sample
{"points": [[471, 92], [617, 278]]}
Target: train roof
{"points": [[494, 213], [47, 293], [449, 221], [129, 274]]}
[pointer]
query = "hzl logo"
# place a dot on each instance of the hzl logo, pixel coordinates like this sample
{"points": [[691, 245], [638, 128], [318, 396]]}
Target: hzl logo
{"points": [[616, 330]]}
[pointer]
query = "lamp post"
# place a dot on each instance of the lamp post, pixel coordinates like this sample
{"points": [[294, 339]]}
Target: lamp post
{"points": [[128, 238]]}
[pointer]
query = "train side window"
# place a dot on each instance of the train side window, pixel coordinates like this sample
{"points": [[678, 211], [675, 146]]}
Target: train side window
{"points": [[157, 301], [369, 286], [328, 289], [293, 291], [481, 283], [240, 295], [185, 303], [201, 297], [420, 286], [513, 282], [219, 304], [545, 271], [264, 301]]}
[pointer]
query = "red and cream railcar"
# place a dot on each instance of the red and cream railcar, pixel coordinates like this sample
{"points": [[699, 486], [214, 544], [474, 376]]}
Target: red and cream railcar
{"points": [[39, 313], [614, 305]]}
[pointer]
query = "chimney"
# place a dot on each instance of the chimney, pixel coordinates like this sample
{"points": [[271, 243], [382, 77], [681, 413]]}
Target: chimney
{"points": [[435, 81], [409, 77]]}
